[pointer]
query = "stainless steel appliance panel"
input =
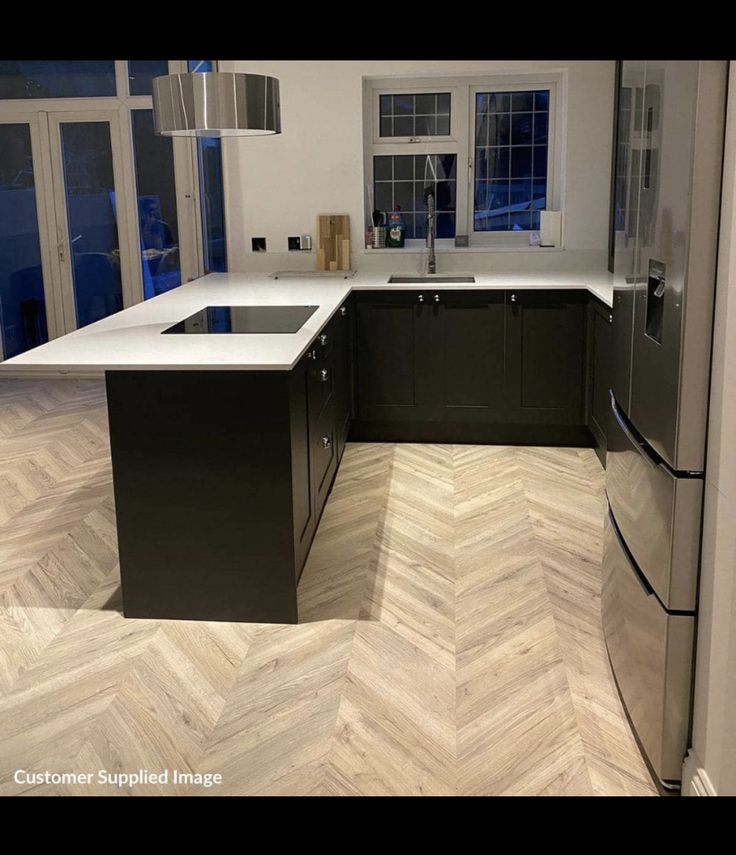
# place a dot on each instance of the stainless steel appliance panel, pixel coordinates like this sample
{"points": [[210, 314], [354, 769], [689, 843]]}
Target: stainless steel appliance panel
{"points": [[651, 656], [683, 118], [657, 514], [626, 207]]}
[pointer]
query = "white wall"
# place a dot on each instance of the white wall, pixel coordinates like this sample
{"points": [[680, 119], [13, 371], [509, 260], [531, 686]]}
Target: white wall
{"points": [[276, 186], [711, 764]]}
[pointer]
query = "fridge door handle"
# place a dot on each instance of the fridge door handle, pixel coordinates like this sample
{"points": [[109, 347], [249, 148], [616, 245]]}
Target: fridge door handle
{"points": [[643, 450], [640, 578]]}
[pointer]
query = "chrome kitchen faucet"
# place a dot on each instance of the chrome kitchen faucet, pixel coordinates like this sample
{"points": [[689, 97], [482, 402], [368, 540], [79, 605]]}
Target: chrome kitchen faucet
{"points": [[431, 229]]}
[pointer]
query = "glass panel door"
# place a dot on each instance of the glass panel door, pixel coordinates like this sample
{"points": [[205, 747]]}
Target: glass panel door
{"points": [[23, 321], [85, 157], [157, 209]]}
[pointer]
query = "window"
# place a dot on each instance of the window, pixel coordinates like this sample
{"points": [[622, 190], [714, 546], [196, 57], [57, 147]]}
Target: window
{"points": [[418, 115], [511, 143], [141, 73], [66, 78], [153, 159], [211, 191], [487, 147]]}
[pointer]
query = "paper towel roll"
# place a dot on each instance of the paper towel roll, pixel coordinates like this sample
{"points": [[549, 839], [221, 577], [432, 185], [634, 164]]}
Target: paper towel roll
{"points": [[550, 228]]}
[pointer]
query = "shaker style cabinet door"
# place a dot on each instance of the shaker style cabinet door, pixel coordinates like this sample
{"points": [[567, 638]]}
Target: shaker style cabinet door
{"points": [[393, 356], [545, 356], [467, 345]]}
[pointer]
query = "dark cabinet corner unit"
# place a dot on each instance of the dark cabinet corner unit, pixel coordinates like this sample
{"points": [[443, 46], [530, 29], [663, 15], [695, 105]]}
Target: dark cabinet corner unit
{"points": [[471, 366], [220, 479]]}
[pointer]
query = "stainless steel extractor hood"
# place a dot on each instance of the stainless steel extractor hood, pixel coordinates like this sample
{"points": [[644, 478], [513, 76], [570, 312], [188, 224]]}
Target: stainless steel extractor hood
{"points": [[216, 104]]}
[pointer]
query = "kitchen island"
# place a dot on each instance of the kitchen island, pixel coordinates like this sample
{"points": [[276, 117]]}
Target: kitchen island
{"points": [[225, 447]]}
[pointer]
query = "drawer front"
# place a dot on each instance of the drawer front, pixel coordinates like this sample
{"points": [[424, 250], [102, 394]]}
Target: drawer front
{"points": [[323, 344], [659, 517], [324, 455], [651, 656], [321, 386]]}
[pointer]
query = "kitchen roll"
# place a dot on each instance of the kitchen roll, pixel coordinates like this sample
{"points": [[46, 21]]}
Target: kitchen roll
{"points": [[550, 228]]}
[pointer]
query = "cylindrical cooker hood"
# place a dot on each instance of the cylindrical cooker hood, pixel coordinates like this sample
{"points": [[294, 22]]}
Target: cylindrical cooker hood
{"points": [[216, 104]]}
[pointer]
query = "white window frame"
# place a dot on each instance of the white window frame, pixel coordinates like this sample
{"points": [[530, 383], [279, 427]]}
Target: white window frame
{"points": [[461, 142]]}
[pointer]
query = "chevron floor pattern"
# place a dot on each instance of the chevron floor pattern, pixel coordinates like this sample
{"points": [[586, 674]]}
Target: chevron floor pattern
{"points": [[449, 641]]}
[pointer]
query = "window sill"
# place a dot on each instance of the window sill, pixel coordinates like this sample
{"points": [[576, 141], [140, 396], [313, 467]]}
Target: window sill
{"points": [[411, 250]]}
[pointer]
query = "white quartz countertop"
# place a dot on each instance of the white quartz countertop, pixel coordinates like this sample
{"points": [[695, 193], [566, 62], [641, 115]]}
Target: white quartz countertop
{"points": [[132, 339]]}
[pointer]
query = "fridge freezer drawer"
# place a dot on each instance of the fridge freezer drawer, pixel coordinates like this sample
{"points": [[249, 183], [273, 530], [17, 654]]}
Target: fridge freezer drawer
{"points": [[659, 517], [651, 654]]}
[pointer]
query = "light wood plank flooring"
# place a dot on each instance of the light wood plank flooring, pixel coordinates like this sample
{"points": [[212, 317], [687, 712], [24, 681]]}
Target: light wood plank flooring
{"points": [[449, 642]]}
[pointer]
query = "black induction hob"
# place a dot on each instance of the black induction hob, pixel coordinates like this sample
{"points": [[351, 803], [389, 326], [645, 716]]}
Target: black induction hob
{"points": [[245, 319]]}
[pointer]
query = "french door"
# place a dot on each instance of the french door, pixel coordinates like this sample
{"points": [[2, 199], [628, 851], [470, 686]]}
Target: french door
{"points": [[92, 220], [27, 305], [96, 214]]}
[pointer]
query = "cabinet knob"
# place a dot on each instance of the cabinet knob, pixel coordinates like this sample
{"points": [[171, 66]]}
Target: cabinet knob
{"points": [[513, 298], [343, 310], [436, 298], [323, 339], [324, 375], [326, 441], [421, 298]]}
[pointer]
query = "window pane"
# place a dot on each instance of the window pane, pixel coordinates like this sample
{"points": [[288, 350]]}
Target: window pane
{"points": [[156, 194], [399, 184], [22, 303], [424, 115], [91, 212], [200, 65], [511, 133], [56, 78], [212, 204], [141, 73]]}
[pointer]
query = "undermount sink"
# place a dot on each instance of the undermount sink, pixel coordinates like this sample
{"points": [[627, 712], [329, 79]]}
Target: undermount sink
{"points": [[420, 280]]}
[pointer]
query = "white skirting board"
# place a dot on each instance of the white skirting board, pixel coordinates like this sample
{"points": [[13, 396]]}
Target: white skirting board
{"points": [[695, 780]]}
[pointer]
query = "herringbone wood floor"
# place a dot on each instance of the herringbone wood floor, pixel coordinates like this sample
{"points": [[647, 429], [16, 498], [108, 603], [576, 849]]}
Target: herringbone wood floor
{"points": [[449, 641]]}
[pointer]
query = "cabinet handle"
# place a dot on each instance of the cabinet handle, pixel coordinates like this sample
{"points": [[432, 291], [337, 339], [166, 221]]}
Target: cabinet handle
{"points": [[421, 298], [513, 298], [324, 375], [610, 319], [312, 354], [343, 310], [326, 441], [436, 298], [323, 339]]}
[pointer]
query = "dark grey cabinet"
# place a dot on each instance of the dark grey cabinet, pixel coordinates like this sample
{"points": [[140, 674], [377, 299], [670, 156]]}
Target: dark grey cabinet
{"points": [[599, 374], [342, 330], [392, 357], [320, 420], [471, 366], [466, 355], [545, 351]]}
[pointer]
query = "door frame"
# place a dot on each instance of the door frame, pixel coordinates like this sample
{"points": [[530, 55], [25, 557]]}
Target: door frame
{"points": [[44, 204]]}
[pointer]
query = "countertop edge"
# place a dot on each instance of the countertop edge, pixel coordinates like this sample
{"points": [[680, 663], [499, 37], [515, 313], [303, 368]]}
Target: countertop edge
{"points": [[80, 371]]}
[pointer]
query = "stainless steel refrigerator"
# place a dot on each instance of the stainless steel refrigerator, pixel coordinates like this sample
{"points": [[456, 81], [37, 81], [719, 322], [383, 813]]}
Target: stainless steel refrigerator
{"points": [[666, 207]]}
